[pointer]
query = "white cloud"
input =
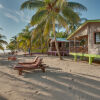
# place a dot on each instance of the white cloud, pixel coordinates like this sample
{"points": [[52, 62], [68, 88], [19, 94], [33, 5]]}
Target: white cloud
{"points": [[1, 6], [23, 17], [12, 17], [16, 15]]}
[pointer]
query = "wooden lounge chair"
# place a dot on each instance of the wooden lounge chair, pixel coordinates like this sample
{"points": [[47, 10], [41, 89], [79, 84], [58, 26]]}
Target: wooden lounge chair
{"points": [[25, 63], [37, 65], [12, 58]]}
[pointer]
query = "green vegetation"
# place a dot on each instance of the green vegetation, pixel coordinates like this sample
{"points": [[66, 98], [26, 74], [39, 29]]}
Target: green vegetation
{"points": [[24, 39], [2, 42], [13, 44], [60, 35]]}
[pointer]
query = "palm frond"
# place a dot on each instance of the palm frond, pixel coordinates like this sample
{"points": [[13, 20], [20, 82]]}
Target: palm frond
{"points": [[62, 21], [32, 4], [47, 27], [2, 36], [39, 17], [1, 47], [70, 15], [75, 5], [37, 31], [3, 42]]}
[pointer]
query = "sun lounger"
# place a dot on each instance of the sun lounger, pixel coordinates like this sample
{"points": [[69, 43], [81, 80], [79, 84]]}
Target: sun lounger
{"points": [[37, 65], [24, 63], [12, 58]]}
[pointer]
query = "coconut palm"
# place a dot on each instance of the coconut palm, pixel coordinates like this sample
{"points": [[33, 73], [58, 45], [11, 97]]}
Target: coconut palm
{"points": [[2, 42], [24, 39], [13, 44], [51, 11]]}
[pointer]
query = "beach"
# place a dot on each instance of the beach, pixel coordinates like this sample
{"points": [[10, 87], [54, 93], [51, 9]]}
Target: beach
{"points": [[63, 80]]}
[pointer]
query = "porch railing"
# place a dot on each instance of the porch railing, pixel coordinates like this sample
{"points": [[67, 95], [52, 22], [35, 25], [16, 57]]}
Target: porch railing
{"points": [[79, 49]]}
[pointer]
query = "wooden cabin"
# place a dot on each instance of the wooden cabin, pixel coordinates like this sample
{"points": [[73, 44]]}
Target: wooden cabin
{"points": [[86, 40], [63, 45]]}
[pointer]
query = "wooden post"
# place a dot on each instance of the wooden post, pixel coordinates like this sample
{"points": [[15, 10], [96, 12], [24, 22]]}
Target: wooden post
{"points": [[90, 60], [74, 45], [75, 57], [69, 45], [81, 58]]}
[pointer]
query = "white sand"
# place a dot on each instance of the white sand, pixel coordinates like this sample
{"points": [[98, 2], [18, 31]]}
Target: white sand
{"points": [[63, 80]]}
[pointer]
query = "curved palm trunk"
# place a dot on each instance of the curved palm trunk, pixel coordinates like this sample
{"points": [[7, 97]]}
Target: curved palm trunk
{"points": [[30, 46], [56, 44], [41, 43]]}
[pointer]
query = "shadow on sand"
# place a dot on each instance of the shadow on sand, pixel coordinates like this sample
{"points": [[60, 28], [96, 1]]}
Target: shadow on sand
{"points": [[56, 85], [2, 98]]}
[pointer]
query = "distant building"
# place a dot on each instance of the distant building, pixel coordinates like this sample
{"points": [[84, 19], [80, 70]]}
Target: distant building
{"points": [[63, 45]]}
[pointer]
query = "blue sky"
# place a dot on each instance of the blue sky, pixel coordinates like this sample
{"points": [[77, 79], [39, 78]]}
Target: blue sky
{"points": [[13, 20]]}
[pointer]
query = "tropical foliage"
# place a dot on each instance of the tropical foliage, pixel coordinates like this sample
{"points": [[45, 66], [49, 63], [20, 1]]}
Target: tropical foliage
{"points": [[13, 44], [24, 39], [60, 35], [2, 42]]}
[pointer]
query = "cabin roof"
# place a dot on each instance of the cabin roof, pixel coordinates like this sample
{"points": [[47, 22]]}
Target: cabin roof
{"points": [[59, 39], [85, 23]]}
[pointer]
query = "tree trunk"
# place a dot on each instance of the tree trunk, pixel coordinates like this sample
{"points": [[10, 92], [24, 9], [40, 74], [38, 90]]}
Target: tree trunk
{"points": [[56, 44], [41, 43], [30, 46]]}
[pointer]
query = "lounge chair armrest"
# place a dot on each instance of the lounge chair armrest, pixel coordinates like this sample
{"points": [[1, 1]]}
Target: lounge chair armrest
{"points": [[26, 63]]}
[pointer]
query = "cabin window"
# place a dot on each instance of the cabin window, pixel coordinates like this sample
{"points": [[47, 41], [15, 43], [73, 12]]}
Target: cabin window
{"points": [[97, 38]]}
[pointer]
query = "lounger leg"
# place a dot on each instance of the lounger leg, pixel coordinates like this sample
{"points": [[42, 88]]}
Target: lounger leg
{"points": [[20, 72]]}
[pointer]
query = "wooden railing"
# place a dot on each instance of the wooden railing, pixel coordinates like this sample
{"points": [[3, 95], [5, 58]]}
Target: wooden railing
{"points": [[79, 49]]}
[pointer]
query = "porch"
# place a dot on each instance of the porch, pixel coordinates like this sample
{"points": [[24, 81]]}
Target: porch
{"points": [[79, 44]]}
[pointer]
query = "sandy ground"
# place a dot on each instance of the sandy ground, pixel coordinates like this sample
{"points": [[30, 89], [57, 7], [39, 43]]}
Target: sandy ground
{"points": [[63, 80]]}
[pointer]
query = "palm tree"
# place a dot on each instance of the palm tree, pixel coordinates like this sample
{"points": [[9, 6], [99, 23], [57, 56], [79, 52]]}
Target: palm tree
{"points": [[14, 41], [51, 11], [38, 39], [13, 44], [24, 39], [2, 41]]}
